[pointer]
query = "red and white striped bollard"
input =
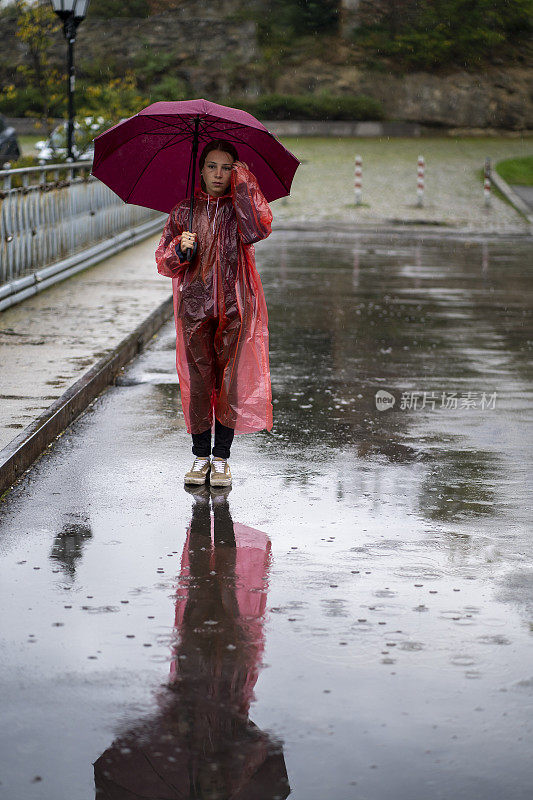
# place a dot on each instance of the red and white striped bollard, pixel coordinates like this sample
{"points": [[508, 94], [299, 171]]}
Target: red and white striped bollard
{"points": [[487, 186], [420, 181], [358, 180]]}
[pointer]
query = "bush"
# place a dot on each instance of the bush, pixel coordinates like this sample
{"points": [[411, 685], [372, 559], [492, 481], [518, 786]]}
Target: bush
{"points": [[117, 98], [26, 102], [425, 34], [312, 107], [171, 87]]}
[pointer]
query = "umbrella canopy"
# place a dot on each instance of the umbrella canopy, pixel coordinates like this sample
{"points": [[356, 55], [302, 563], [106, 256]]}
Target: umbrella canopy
{"points": [[148, 158]]}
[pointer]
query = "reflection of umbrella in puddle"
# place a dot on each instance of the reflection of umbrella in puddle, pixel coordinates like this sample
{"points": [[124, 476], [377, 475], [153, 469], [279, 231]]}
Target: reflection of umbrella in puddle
{"points": [[201, 744]]}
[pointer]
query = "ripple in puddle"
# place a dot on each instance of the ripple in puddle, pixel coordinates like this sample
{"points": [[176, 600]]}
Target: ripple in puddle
{"points": [[421, 572], [462, 661], [493, 639]]}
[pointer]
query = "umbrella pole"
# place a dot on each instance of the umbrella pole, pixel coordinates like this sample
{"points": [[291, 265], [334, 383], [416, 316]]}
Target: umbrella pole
{"points": [[194, 154]]}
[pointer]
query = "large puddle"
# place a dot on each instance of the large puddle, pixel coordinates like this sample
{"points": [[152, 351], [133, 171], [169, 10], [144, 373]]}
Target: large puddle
{"points": [[354, 619]]}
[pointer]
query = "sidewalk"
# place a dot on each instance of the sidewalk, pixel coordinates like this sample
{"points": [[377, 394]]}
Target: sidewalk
{"points": [[51, 340]]}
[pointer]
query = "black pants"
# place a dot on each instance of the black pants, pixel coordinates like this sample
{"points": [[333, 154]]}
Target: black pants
{"points": [[201, 442]]}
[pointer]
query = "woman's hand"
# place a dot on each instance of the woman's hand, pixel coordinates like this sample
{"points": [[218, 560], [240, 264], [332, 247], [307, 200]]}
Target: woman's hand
{"points": [[240, 164], [187, 241]]}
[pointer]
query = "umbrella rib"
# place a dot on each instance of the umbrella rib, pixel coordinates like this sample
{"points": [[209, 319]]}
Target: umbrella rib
{"points": [[183, 121], [226, 131], [141, 173], [266, 162], [212, 127], [135, 135]]}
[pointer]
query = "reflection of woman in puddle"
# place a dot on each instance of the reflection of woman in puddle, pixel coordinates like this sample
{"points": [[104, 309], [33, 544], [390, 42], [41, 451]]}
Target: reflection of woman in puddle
{"points": [[201, 744]]}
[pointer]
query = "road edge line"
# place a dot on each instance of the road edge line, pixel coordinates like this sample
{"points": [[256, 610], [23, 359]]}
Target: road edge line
{"points": [[22, 452]]}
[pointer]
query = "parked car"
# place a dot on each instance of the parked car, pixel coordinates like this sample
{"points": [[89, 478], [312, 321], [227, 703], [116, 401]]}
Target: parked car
{"points": [[55, 147], [9, 146]]}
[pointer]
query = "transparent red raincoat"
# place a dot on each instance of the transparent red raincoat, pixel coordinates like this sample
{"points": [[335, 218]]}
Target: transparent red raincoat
{"points": [[220, 309]]}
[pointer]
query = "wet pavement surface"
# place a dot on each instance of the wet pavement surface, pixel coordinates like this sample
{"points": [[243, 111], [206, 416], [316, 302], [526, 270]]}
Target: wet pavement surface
{"points": [[354, 619], [50, 340]]}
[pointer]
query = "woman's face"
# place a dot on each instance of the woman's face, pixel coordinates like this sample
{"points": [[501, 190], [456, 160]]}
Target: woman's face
{"points": [[216, 172]]}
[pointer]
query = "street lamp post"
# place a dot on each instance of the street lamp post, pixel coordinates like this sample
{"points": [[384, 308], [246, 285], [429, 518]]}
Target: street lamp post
{"points": [[71, 13]]}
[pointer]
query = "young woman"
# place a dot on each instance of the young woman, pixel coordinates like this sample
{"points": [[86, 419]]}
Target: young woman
{"points": [[219, 309]]}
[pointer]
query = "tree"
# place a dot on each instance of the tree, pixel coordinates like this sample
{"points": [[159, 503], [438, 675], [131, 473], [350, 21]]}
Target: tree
{"points": [[36, 27]]}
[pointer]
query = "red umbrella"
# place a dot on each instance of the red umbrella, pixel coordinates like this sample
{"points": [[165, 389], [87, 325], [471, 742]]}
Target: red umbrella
{"points": [[150, 158]]}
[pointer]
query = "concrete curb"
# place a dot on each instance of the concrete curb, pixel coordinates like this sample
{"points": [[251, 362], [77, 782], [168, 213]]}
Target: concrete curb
{"points": [[342, 128], [20, 454], [405, 229], [512, 196]]}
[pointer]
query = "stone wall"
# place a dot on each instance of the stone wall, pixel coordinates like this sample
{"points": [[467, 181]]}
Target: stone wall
{"points": [[214, 46], [495, 98], [215, 55]]}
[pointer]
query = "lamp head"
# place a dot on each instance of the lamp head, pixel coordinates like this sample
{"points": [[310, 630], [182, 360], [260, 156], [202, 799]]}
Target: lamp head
{"points": [[68, 8]]}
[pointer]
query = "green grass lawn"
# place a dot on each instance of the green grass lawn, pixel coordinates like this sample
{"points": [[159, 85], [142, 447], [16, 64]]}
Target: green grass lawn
{"points": [[518, 171]]}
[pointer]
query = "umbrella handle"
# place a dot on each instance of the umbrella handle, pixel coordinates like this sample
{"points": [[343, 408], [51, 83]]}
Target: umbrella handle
{"points": [[189, 254]]}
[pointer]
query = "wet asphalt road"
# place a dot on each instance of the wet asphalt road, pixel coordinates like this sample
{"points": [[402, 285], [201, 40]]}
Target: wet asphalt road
{"points": [[358, 625]]}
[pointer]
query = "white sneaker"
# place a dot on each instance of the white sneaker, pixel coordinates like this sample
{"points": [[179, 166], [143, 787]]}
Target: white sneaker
{"points": [[220, 472], [198, 472]]}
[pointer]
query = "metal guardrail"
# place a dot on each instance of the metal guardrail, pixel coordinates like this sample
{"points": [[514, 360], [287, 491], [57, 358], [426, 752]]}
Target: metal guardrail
{"points": [[58, 213]]}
